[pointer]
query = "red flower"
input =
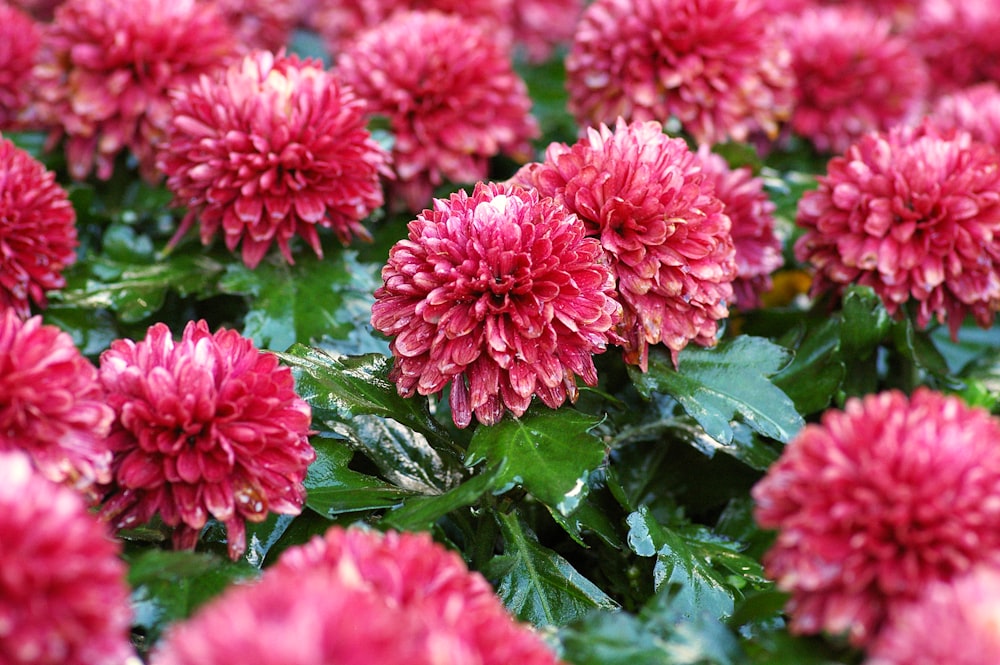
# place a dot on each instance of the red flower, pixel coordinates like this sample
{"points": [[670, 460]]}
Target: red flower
{"points": [[361, 597], [451, 95], [717, 66], [957, 39], [63, 597], [854, 75], [914, 214], [38, 232], [876, 503], [51, 404], [260, 24], [107, 67], [758, 249], [541, 25], [975, 110], [207, 427], [663, 230], [273, 148], [19, 40], [954, 623], [500, 295]]}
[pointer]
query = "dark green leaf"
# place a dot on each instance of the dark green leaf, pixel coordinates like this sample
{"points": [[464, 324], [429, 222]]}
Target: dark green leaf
{"points": [[92, 330], [866, 323], [612, 638], [690, 639], [813, 377], [309, 300], [918, 347], [549, 453], [420, 513], [538, 585], [714, 386], [333, 488]]}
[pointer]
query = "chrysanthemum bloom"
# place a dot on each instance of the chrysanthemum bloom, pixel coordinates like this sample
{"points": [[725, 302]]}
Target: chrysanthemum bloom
{"points": [[853, 75], [51, 403], [914, 213], [206, 427], [877, 502], [63, 597], [646, 197], [275, 147], [957, 622], [716, 66], [975, 110], [500, 295], [957, 39], [360, 597], [451, 95], [106, 69], [41, 10], [541, 25], [19, 40], [260, 24], [37, 231], [758, 249]]}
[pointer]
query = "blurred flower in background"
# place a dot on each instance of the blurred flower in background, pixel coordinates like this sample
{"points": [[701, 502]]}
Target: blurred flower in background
{"points": [[19, 41]]}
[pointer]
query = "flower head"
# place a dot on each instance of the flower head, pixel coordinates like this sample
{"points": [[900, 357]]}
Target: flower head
{"points": [[717, 66], [63, 597], [51, 403], [260, 24], [646, 197], [758, 249], [878, 501], [913, 213], [19, 41], [361, 597], [106, 69], [541, 25], [500, 295], [272, 148], [955, 622], [853, 75], [957, 39], [206, 427], [37, 231], [451, 96], [975, 109]]}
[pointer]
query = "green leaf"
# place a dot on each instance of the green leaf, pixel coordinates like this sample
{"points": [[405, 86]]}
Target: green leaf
{"points": [[612, 638], [710, 570], [866, 323], [814, 376], [420, 513], [548, 452], [538, 585], [168, 586], [333, 488], [714, 386], [309, 300], [698, 639]]}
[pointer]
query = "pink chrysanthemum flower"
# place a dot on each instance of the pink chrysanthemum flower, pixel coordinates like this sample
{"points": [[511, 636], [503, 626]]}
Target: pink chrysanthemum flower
{"points": [[500, 295], [878, 501], [957, 39], [19, 41], [716, 66], [758, 249], [853, 75], [361, 597], [63, 597], [37, 231], [41, 10], [274, 147], [646, 197], [541, 25], [451, 95], [957, 623], [106, 69], [260, 24], [206, 427], [913, 213], [51, 403], [975, 110]]}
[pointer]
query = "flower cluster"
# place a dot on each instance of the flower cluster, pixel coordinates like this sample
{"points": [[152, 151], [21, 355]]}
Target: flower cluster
{"points": [[646, 197], [393, 599], [51, 403], [451, 96], [63, 597], [958, 41], [37, 231], [914, 214], [207, 426], [877, 502], [716, 66], [272, 148], [500, 295], [106, 68]]}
